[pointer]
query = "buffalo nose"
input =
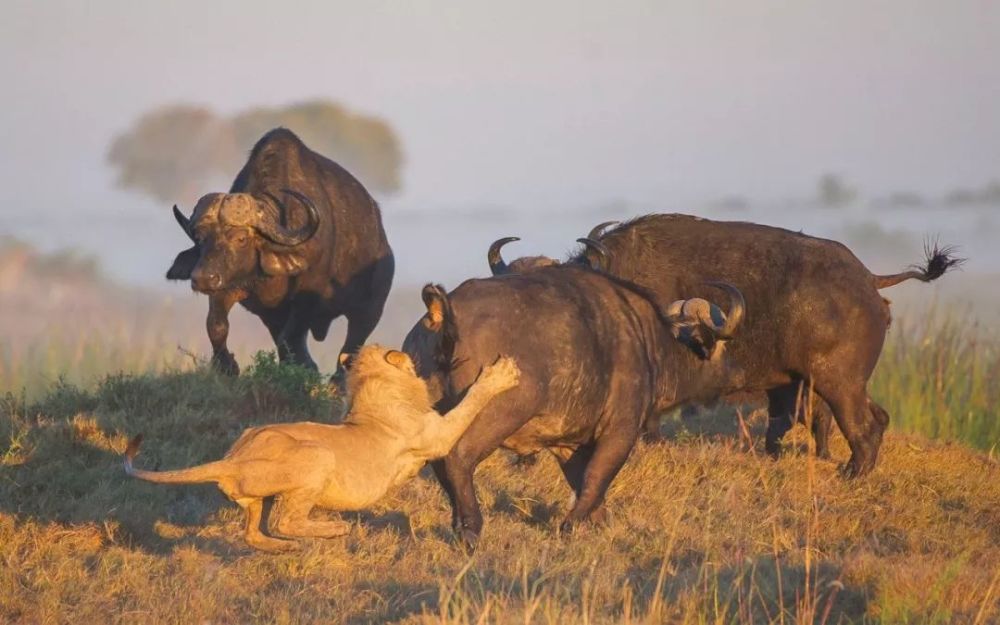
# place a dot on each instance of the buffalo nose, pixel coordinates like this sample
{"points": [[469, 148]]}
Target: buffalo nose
{"points": [[206, 281]]}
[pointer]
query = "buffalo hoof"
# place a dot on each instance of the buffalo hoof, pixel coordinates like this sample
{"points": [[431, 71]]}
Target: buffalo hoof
{"points": [[773, 449], [599, 516], [468, 539], [225, 363], [568, 527], [853, 470]]}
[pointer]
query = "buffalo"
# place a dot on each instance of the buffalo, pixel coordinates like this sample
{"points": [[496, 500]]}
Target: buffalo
{"points": [[597, 356], [816, 316], [297, 270]]}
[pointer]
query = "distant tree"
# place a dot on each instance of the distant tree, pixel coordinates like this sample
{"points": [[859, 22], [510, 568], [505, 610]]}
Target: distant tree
{"points": [[834, 192], [175, 154], [366, 146], [991, 193], [170, 153]]}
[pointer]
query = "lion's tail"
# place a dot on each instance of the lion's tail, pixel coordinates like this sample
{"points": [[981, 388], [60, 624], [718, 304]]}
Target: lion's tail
{"points": [[208, 472]]}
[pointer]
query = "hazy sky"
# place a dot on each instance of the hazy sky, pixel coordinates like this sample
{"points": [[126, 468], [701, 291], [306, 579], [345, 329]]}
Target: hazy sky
{"points": [[562, 106], [537, 103]]}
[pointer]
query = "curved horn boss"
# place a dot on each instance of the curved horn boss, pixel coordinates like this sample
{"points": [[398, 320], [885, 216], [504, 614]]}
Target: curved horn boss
{"points": [[497, 265], [702, 325], [274, 230]]}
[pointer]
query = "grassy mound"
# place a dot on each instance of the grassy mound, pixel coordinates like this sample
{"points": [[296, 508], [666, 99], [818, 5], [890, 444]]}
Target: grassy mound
{"points": [[703, 528]]}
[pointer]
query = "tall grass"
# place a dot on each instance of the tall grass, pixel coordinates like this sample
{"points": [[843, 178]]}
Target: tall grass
{"points": [[940, 376], [705, 529]]}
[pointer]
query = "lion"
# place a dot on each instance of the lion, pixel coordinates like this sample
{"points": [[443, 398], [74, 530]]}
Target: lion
{"points": [[391, 430]]}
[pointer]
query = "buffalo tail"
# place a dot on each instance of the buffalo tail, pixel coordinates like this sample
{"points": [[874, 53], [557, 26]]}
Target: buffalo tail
{"points": [[938, 261]]}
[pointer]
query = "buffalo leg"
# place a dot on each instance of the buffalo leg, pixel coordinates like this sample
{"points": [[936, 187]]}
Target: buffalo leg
{"points": [[441, 473], [467, 517], [785, 406], [479, 441], [862, 429], [573, 463], [610, 453], [217, 325], [822, 420], [780, 412], [359, 327], [362, 321], [292, 340]]}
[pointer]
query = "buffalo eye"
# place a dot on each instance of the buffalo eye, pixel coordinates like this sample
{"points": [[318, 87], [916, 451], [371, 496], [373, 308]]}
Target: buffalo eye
{"points": [[241, 239]]}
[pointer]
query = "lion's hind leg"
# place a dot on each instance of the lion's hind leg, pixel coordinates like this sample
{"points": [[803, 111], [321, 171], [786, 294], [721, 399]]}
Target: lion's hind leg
{"points": [[293, 518], [254, 508]]}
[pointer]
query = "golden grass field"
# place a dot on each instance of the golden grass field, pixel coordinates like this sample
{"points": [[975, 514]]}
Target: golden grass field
{"points": [[703, 529]]}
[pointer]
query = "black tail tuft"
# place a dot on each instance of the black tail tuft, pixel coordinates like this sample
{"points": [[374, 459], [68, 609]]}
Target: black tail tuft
{"points": [[939, 261], [133, 448]]}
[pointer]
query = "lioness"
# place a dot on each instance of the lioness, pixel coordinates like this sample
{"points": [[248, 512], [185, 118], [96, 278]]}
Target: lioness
{"points": [[390, 431]]}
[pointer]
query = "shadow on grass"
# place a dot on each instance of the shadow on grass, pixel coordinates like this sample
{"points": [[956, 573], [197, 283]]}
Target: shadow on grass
{"points": [[61, 462]]}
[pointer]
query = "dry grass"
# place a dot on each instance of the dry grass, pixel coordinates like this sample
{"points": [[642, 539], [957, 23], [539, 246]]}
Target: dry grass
{"points": [[703, 529]]}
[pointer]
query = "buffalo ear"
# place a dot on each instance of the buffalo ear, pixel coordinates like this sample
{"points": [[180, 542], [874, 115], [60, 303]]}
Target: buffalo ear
{"points": [[282, 264], [184, 264]]}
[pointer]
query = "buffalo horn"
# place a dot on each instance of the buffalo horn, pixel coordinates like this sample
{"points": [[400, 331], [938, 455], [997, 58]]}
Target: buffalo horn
{"points": [[274, 230], [600, 258], [733, 319], [596, 232], [497, 265], [184, 223]]}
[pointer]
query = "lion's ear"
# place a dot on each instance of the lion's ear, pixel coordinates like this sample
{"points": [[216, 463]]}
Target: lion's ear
{"points": [[282, 263], [397, 359]]}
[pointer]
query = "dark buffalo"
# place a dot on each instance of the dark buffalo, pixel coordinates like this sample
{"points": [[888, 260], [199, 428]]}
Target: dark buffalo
{"points": [[816, 317], [596, 255], [297, 270], [597, 357]]}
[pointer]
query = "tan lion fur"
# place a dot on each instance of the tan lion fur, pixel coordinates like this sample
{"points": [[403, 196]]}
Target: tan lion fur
{"points": [[389, 433]]}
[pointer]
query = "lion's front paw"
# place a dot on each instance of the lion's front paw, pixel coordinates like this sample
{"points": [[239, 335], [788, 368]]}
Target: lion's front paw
{"points": [[502, 374]]}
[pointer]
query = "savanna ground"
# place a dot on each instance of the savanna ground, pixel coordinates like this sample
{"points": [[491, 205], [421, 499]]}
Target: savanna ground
{"points": [[704, 528]]}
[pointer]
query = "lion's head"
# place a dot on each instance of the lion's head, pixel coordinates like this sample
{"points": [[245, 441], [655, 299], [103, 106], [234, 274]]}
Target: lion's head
{"points": [[382, 380]]}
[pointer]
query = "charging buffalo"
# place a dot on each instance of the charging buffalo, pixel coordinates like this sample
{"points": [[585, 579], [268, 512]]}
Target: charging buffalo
{"points": [[597, 357], [297, 270]]}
